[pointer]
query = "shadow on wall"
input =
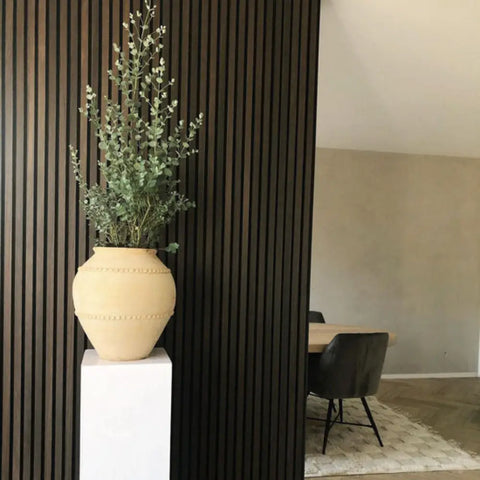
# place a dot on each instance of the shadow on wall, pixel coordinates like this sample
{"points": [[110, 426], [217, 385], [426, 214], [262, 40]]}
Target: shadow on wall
{"points": [[396, 245]]}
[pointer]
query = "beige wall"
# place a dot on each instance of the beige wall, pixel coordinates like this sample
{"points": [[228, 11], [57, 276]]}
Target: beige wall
{"points": [[396, 243], [400, 76]]}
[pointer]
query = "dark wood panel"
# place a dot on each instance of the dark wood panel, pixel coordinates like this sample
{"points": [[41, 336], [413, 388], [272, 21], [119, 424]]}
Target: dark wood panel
{"points": [[238, 339]]}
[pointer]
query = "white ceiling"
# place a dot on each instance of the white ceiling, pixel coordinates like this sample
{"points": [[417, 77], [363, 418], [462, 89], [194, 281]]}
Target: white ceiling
{"points": [[400, 76]]}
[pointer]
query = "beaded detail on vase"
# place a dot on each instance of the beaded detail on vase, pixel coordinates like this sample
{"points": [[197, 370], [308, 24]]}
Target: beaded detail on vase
{"points": [[124, 270], [94, 316]]}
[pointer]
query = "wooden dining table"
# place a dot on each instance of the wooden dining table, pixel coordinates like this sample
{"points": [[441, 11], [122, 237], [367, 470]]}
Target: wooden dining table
{"points": [[321, 334]]}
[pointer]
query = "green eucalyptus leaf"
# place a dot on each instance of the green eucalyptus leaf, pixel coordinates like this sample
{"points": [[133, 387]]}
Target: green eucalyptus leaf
{"points": [[172, 247]]}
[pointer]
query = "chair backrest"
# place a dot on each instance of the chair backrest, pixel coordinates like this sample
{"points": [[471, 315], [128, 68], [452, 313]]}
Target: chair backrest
{"points": [[350, 366], [315, 317]]}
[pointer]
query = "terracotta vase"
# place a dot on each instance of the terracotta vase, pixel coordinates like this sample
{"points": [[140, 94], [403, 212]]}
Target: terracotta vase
{"points": [[123, 298]]}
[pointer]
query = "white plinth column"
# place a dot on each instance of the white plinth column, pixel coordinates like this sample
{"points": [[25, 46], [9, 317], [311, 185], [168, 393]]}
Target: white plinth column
{"points": [[125, 415]]}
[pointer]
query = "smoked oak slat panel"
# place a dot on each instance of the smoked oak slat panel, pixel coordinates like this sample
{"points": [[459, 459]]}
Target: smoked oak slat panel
{"points": [[238, 338]]}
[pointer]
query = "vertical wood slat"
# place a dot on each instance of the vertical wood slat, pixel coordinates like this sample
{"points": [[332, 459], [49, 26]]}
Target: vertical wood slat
{"points": [[238, 339], [71, 239], [28, 406], [51, 258], [7, 240], [260, 178], [18, 169], [18, 180], [40, 239], [2, 204]]}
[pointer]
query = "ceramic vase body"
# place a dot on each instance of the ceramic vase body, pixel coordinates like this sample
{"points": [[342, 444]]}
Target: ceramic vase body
{"points": [[123, 298]]}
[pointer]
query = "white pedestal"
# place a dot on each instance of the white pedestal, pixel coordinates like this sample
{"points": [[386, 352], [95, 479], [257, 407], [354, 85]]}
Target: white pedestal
{"points": [[125, 418]]}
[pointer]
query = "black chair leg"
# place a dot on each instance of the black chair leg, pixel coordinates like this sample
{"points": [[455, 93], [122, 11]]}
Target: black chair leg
{"points": [[340, 408], [327, 426], [372, 422]]}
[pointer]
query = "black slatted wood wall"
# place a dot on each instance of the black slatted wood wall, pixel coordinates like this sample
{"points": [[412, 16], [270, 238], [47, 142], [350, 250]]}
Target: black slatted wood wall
{"points": [[238, 340]]}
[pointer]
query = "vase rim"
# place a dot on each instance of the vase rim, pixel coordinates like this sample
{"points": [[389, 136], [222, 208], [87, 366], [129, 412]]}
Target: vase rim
{"points": [[125, 250]]}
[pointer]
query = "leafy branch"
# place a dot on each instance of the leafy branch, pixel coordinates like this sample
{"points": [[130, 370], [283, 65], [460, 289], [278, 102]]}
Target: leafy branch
{"points": [[140, 162]]}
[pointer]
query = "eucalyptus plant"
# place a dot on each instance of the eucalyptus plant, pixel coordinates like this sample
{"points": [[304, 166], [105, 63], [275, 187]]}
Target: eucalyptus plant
{"points": [[141, 147]]}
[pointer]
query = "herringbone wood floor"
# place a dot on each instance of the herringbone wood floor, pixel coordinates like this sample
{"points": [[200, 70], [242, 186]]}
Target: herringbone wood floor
{"points": [[449, 406]]}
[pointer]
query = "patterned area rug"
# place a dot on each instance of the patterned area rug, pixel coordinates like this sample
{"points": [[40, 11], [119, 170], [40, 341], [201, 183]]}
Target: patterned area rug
{"points": [[409, 446]]}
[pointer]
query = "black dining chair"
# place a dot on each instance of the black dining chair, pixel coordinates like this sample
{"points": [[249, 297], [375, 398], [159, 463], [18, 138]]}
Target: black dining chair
{"points": [[349, 367], [315, 317]]}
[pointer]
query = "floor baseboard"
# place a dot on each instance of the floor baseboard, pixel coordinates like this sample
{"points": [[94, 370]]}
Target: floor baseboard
{"points": [[398, 376]]}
